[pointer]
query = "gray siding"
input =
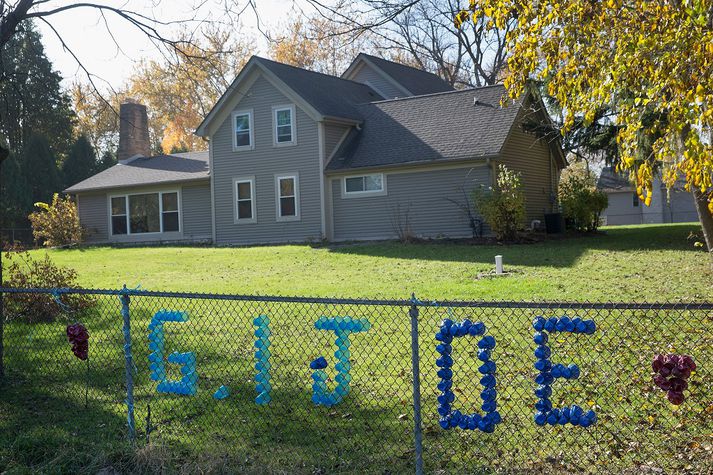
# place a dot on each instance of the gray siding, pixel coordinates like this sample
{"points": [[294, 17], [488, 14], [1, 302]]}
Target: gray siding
{"points": [[333, 134], [264, 162], [366, 75], [532, 158], [680, 208], [621, 209], [93, 217], [424, 194], [196, 213]]}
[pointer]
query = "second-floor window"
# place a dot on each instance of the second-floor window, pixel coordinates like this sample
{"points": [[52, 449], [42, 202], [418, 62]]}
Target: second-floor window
{"points": [[288, 201], [242, 130], [284, 120]]}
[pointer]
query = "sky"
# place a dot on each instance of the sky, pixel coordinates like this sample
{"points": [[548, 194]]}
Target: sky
{"points": [[85, 33]]}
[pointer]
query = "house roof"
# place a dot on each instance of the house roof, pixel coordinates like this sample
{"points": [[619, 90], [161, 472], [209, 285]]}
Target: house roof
{"points": [[610, 180], [174, 168], [416, 81], [330, 95], [456, 125], [325, 96]]}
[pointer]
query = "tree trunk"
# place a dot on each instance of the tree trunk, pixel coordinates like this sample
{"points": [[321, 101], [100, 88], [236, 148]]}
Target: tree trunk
{"points": [[706, 219]]}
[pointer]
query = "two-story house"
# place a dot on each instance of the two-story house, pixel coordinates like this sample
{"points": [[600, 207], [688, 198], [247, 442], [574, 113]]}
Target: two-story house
{"points": [[296, 155]]}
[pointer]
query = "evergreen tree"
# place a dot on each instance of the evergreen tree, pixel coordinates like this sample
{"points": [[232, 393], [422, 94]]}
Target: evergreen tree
{"points": [[39, 168], [108, 160], [31, 97], [81, 163], [15, 199]]}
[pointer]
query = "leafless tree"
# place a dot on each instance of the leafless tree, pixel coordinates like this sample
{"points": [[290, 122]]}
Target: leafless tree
{"points": [[423, 32]]}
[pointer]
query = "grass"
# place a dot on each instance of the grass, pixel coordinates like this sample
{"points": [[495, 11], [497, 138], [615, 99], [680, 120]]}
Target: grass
{"points": [[46, 427], [623, 263]]}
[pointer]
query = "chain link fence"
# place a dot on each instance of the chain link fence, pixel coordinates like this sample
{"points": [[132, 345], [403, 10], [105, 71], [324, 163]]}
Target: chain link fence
{"points": [[274, 384]]}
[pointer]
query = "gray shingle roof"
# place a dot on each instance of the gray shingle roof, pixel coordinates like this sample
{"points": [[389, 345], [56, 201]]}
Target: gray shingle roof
{"points": [[417, 81], [611, 180], [423, 129], [329, 95], [173, 168]]}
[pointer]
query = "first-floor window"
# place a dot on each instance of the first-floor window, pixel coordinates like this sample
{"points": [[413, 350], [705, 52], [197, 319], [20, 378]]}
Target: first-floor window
{"points": [[636, 200], [245, 199], [118, 215], [287, 197], [364, 184], [145, 213]]}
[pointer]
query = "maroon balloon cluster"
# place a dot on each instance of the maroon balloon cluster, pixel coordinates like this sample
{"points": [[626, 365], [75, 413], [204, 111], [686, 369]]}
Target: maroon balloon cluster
{"points": [[79, 338], [672, 373]]}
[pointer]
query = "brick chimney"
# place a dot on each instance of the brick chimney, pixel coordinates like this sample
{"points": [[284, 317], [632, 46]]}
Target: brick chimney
{"points": [[133, 131]]}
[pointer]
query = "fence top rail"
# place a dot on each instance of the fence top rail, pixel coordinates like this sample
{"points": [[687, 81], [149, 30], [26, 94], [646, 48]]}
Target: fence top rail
{"points": [[501, 304]]}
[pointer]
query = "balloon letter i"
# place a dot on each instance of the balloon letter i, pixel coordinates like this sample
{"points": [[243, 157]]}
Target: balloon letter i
{"points": [[262, 359]]}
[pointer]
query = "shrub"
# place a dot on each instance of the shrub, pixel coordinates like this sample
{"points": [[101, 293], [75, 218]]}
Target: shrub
{"points": [[503, 208], [56, 224], [25, 272], [581, 202]]}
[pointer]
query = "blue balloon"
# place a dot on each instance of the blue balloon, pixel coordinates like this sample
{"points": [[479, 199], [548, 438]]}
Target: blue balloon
{"points": [[444, 348], [463, 422], [446, 323], [540, 418], [488, 395], [551, 324], [543, 405], [561, 326], [473, 422], [542, 352], [591, 327], [565, 372], [444, 422], [478, 328], [484, 355], [453, 330], [488, 367], [544, 379], [444, 361], [445, 385], [557, 371], [487, 343], [543, 392], [444, 409], [543, 365], [494, 417], [538, 324], [488, 381], [445, 373], [319, 363], [489, 406], [540, 338]]}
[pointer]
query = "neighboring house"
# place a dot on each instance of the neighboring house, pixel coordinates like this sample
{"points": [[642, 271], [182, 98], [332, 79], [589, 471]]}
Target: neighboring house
{"points": [[674, 206], [296, 155]]}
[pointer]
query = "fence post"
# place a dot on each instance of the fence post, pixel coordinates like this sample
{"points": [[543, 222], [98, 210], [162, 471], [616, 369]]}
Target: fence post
{"points": [[417, 435], [124, 296]]}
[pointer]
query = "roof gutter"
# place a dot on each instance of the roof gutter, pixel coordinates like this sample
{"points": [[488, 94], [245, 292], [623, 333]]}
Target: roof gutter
{"points": [[71, 191], [482, 159]]}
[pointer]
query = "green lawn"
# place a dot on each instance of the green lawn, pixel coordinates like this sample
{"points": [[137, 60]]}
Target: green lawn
{"points": [[623, 263], [46, 426]]}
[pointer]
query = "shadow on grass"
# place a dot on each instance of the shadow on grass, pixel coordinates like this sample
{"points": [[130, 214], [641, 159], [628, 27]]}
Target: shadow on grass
{"points": [[553, 252]]}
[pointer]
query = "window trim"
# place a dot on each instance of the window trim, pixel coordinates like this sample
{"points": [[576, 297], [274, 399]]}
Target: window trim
{"points": [[160, 194], [293, 125], [366, 193], [253, 203], [278, 210], [251, 130]]}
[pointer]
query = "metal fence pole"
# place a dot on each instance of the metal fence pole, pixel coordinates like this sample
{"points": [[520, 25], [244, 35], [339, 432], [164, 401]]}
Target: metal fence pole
{"points": [[129, 364], [417, 435]]}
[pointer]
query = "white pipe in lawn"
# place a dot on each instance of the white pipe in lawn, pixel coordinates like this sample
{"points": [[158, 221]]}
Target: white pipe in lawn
{"points": [[498, 265]]}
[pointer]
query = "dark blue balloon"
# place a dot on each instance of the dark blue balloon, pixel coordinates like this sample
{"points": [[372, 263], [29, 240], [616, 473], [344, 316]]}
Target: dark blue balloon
{"points": [[444, 385], [561, 326], [444, 348], [444, 361], [544, 379], [543, 365], [551, 324], [484, 355], [488, 395], [453, 330], [562, 420], [445, 373], [540, 338], [540, 418], [538, 324], [444, 409], [543, 405], [466, 324], [494, 417], [319, 363], [489, 406], [488, 367], [463, 422], [543, 392], [473, 422], [591, 327], [552, 418], [576, 411], [542, 352], [592, 416], [446, 323], [478, 328], [565, 373], [444, 422], [488, 381], [487, 342], [557, 371]]}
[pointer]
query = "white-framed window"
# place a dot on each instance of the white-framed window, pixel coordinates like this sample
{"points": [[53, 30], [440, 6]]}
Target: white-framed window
{"points": [[244, 189], [364, 185], [145, 213], [287, 197], [243, 138], [283, 118]]}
